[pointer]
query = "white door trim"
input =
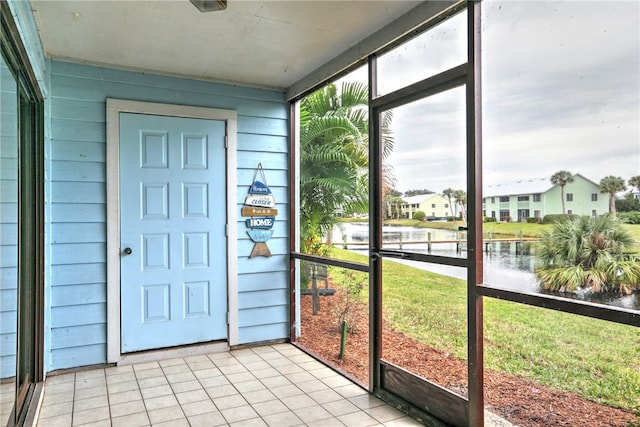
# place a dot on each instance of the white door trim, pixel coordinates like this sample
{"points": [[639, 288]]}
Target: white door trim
{"points": [[114, 108]]}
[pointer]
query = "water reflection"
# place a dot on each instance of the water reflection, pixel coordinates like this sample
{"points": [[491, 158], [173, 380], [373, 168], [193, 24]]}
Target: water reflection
{"points": [[506, 265]]}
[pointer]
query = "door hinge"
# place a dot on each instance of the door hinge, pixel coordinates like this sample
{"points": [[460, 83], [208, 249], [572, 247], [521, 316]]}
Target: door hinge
{"points": [[226, 230], [227, 317], [226, 141]]}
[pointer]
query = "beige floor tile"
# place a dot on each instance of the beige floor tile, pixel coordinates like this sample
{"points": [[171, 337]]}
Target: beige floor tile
{"points": [[402, 422], [122, 387], [92, 373], [207, 373], [265, 373], [91, 403], [310, 414], [201, 366], [91, 382], [90, 416], [340, 407], [200, 407], [66, 387], [247, 386], [366, 401], [253, 422], [127, 408], [59, 379], [232, 368], [336, 380], [258, 396], [216, 381], [57, 421], [240, 377], [144, 366], [232, 401], [134, 420], [286, 391], [283, 419], [186, 386], [240, 413], [182, 422], [211, 419], [56, 410], [54, 399], [276, 381], [86, 393], [357, 419], [289, 368], [120, 378], [384, 413], [192, 396], [269, 407], [298, 401], [327, 422], [300, 377], [313, 385], [152, 382], [196, 358], [256, 365], [220, 391], [149, 373], [176, 361], [168, 413], [101, 423], [161, 390], [160, 402], [351, 390], [180, 377], [176, 369], [125, 397], [118, 370]]}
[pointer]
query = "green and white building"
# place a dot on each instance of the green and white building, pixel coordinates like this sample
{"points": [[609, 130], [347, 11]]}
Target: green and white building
{"points": [[538, 197]]}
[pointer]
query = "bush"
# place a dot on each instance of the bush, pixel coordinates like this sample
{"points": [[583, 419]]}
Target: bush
{"points": [[490, 219], [420, 216], [630, 217], [533, 220], [553, 218]]}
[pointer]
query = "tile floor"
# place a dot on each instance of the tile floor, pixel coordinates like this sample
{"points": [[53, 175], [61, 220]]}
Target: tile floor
{"points": [[275, 385]]}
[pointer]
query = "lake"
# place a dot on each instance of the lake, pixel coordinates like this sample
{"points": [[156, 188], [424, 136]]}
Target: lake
{"points": [[503, 268]]}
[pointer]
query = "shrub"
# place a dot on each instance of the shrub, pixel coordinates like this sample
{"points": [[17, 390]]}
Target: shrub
{"points": [[533, 220], [554, 218], [490, 219], [420, 216], [630, 217]]}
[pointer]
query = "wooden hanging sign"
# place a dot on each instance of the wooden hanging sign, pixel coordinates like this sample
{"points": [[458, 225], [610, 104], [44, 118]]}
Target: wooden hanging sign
{"points": [[265, 222], [260, 236], [259, 205], [253, 211], [261, 200]]}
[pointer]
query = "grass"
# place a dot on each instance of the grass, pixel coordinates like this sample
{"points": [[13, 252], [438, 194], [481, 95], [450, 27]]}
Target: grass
{"points": [[596, 359]]}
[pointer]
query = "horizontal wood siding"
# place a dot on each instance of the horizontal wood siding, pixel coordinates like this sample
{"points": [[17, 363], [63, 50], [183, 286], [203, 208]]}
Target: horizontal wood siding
{"points": [[78, 200]]}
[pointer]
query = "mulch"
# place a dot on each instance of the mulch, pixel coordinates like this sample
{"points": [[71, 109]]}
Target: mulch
{"points": [[519, 400]]}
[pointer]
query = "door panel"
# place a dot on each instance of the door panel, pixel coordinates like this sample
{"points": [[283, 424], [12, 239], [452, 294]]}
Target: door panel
{"points": [[173, 218]]}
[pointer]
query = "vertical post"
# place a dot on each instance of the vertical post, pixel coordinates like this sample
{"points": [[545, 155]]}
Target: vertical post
{"points": [[400, 240], [474, 183], [344, 241], [429, 241]]}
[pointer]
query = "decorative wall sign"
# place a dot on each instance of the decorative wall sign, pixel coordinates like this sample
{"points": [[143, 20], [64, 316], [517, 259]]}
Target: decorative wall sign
{"points": [[259, 206]]}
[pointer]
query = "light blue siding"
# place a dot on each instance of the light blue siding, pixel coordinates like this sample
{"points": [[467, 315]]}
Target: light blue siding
{"points": [[78, 201]]}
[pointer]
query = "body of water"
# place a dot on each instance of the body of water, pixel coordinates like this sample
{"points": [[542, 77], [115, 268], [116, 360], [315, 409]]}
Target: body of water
{"points": [[503, 268]]}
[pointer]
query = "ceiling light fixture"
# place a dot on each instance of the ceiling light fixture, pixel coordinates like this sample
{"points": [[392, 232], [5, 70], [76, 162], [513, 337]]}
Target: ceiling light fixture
{"points": [[210, 5]]}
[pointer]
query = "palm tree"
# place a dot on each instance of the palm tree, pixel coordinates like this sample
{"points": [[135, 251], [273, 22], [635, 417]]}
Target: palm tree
{"points": [[334, 158], [461, 200], [612, 184], [634, 181], [587, 252], [448, 193], [562, 178]]}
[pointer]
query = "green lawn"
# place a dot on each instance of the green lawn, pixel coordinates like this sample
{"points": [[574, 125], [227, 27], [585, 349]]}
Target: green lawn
{"points": [[596, 359]]}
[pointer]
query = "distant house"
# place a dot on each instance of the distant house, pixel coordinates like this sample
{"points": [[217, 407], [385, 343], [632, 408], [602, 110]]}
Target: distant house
{"points": [[433, 205], [538, 197]]}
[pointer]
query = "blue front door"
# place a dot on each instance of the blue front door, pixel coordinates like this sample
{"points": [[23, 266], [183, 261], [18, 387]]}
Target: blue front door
{"points": [[173, 278]]}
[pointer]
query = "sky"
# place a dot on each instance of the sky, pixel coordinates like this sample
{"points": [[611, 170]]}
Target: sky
{"points": [[561, 91]]}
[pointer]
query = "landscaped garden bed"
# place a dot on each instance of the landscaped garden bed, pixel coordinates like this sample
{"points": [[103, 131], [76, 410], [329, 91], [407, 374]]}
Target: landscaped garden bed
{"points": [[521, 400]]}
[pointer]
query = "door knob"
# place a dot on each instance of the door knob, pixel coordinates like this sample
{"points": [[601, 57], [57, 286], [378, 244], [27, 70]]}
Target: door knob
{"points": [[127, 251]]}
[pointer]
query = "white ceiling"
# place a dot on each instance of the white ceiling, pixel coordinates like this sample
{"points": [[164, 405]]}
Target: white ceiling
{"points": [[271, 43]]}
